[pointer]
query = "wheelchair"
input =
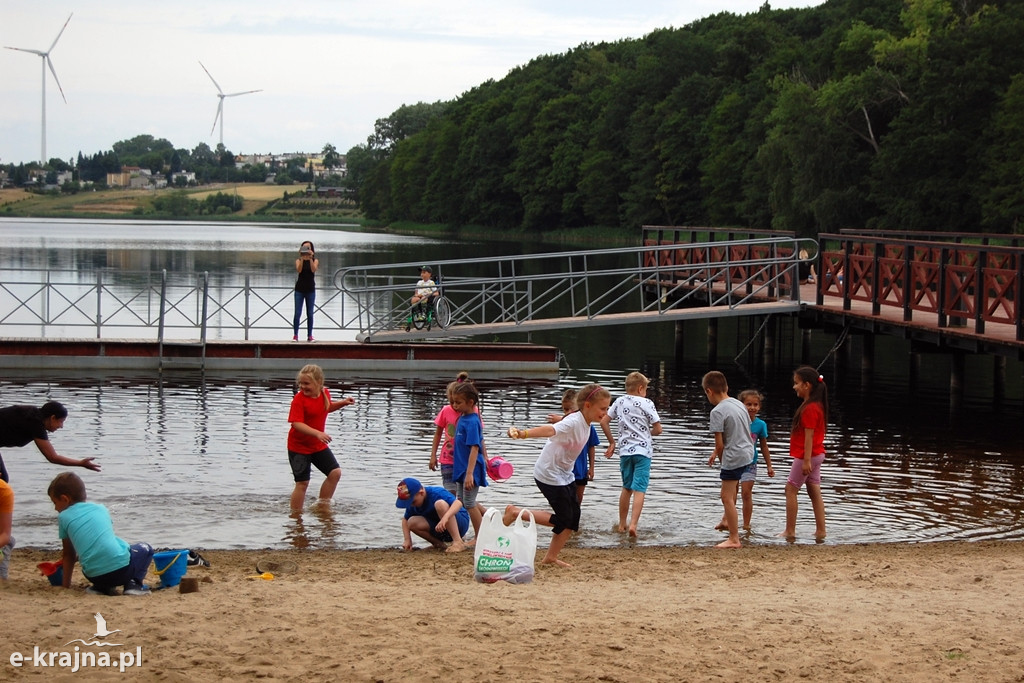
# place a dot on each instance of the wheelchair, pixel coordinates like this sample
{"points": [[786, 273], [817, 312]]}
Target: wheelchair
{"points": [[434, 311]]}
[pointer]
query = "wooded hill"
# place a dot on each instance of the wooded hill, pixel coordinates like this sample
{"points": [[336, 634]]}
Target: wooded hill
{"points": [[856, 113]]}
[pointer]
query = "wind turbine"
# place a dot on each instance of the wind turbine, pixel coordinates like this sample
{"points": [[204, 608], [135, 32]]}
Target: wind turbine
{"points": [[47, 63], [220, 107]]}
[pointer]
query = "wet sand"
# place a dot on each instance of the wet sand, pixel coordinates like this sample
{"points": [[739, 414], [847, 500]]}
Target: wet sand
{"points": [[894, 612]]}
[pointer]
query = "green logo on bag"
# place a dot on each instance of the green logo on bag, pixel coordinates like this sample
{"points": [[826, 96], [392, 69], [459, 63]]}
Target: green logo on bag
{"points": [[504, 542], [493, 564]]}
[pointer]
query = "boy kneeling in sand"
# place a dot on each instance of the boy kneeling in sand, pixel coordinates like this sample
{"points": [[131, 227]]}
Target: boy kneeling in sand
{"points": [[88, 535], [433, 514]]}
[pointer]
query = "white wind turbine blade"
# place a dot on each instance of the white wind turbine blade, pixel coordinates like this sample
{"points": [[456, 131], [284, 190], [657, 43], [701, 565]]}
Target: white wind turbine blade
{"points": [[53, 71], [246, 92], [25, 49], [54, 43], [211, 78], [220, 112]]}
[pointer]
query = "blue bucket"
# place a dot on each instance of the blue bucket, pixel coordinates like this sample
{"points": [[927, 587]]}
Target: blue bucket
{"points": [[170, 566]]}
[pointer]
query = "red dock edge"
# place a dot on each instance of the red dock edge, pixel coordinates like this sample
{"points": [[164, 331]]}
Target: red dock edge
{"points": [[129, 354]]}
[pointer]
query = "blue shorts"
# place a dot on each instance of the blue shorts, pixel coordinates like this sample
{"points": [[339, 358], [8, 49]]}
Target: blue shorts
{"points": [[636, 472], [734, 474], [461, 520], [749, 473]]}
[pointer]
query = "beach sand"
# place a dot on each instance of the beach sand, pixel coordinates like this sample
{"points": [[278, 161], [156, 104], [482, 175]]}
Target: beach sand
{"points": [[927, 612]]}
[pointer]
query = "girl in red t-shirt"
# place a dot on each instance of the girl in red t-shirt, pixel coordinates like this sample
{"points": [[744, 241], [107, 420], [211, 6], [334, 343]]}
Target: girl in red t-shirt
{"points": [[307, 440], [807, 448]]}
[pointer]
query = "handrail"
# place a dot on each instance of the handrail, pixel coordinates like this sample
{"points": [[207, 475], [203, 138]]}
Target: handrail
{"points": [[583, 284], [957, 282], [154, 305]]}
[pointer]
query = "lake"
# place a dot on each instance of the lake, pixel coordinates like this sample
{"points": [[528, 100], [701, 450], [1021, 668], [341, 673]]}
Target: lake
{"points": [[200, 461]]}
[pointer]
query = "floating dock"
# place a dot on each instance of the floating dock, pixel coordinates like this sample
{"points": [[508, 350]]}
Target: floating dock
{"points": [[221, 356]]}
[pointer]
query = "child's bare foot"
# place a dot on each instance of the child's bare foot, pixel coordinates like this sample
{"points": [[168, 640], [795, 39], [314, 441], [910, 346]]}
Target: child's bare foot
{"points": [[470, 543], [622, 528], [746, 527], [819, 536], [729, 543], [787, 534], [721, 526], [510, 515], [632, 531], [557, 562], [456, 548]]}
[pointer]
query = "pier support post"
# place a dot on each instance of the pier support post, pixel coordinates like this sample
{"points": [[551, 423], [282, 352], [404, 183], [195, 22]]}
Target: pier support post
{"points": [[712, 340], [680, 340], [914, 366], [999, 379], [957, 369], [771, 343]]}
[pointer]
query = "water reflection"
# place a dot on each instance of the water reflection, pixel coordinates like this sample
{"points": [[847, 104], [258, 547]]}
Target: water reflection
{"points": [[203, 463]]}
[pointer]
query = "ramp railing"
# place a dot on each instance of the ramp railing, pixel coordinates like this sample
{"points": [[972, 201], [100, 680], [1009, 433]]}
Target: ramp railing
{"points": [[570, 288]]}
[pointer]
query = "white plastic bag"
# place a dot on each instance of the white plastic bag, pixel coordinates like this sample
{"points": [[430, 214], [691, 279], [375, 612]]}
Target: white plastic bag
{"points": [[505, 553]]}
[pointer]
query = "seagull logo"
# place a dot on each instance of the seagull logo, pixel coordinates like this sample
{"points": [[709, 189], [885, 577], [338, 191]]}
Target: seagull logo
{"points": [[101, 632]]}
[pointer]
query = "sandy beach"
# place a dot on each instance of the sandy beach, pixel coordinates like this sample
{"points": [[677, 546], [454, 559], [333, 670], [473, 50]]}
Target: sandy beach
{"points": [[928, 612]]}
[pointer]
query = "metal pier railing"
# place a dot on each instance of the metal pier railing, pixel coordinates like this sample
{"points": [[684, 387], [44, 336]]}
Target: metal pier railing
{"points": [[581, 288]]}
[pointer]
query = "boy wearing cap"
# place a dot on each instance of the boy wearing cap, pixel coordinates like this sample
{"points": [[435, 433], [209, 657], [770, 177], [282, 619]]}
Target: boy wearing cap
{"points": [[433, 514], [425, 287]]}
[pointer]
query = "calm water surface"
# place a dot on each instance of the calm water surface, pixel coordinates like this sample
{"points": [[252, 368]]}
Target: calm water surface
{"points": [[201, 462]]}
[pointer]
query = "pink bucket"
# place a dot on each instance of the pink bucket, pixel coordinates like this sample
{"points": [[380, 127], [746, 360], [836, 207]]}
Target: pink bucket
{"points": [[499, 469]]}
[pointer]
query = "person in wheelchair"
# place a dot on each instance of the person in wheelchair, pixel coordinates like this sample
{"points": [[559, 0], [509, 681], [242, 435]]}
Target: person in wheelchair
{"points": [[423, 300]]}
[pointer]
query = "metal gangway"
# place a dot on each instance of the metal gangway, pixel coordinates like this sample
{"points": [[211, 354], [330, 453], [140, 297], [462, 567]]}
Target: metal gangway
{"points": [[580, 288]]}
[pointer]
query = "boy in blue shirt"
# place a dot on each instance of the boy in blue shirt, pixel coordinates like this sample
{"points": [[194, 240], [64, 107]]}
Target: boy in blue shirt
{"points": [[433, 514], [88, 535]]}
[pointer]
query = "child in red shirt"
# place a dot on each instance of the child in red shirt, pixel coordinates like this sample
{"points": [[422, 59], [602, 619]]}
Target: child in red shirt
{"points": [[307, 440], [807, 448]]}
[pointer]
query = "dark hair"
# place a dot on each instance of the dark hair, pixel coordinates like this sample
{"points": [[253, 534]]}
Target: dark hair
{"points": [[715, 381], [55, 409], [67, 484], [466, 390], [819, 392]]}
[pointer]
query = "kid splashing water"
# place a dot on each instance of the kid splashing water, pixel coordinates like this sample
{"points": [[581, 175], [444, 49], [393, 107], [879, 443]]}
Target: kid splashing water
{"points": [[807, 447], [553, 470], [307, 440]]}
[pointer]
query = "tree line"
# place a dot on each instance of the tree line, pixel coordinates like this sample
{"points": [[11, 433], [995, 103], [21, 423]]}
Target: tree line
{"points": [[856, 113], [158, 155]]}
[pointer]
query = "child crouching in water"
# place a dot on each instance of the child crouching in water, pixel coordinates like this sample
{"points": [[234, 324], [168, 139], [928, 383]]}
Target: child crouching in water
{"points": [[88, 535], [553, 470], [433, 514]]}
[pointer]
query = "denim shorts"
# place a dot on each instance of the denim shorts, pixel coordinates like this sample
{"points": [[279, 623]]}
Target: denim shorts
{"points": [[447, 478], [749, 473]]}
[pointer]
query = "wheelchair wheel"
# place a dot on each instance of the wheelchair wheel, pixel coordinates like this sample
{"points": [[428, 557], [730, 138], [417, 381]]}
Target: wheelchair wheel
{"points": [[419, 318], [442, 313]]}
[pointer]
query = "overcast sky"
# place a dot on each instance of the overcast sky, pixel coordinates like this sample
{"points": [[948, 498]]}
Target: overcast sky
{"points": [[327, 69]]}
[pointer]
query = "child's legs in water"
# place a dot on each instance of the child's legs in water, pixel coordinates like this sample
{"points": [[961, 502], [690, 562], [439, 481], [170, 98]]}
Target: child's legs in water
{"points": [[636, 473], [328, 464], [302, 465], [747, 493]]}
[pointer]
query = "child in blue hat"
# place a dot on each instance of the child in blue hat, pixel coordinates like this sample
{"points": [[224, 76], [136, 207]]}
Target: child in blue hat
{"points": [[433, 514]]}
